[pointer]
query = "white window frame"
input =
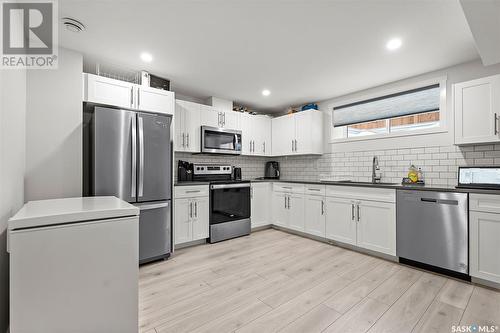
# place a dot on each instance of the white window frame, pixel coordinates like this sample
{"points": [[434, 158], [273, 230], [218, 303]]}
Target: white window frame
{"points": [[339, 134]]}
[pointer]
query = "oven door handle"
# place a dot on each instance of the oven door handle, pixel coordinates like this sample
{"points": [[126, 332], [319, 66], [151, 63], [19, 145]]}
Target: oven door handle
{"points": [[224, 186]]}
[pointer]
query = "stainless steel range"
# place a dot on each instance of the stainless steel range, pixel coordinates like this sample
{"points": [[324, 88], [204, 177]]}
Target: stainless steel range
{"points": [[229, 201]]}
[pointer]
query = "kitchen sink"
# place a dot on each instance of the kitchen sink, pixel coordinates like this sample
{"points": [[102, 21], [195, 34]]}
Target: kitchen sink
{"points": [[355, 182]]}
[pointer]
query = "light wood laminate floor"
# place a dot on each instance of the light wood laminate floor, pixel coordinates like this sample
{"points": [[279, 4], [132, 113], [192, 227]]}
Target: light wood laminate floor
{"points": [[273, 281]]}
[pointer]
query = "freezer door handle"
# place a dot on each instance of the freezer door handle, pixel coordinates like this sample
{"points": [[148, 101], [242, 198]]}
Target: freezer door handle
{"points": [[141, 157], [152, 206], [134, 159]]}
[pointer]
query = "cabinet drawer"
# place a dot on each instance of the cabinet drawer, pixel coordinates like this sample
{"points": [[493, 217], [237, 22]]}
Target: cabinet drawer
{"points": [[315, 189], [288, 187], [191, 191], [484, 203], [361, 193]]}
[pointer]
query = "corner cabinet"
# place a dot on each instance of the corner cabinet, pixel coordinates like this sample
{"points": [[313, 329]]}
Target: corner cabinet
{"points": [[484, 236], [103, 90], [187, 127], [477, 111], [256, 135], [191, 213], [298, 133]]}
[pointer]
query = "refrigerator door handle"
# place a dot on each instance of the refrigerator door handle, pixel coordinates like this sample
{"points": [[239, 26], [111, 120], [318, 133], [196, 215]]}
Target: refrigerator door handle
{"points": [[151, 206], [133, 188], [141, 157]]}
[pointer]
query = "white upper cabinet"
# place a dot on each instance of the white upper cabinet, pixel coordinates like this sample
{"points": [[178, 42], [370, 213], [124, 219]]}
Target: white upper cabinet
{"points": [[155, 100], [256, 135], [299, 133], [187, 126], [477, 109], [103, 90], [213, 117]]}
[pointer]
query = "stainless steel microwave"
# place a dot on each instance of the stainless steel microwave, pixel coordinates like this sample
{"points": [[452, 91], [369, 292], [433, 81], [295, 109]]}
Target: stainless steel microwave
{"points": [[216, 140]]}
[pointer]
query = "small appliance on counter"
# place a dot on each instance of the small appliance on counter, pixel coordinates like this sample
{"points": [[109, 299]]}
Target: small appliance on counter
{"points": [[486, 177], [184, 171], [236, 173], [272, 170]]}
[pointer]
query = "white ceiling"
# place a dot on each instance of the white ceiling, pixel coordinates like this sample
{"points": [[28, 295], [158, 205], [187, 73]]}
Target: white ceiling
{"points": [[301, 50]]}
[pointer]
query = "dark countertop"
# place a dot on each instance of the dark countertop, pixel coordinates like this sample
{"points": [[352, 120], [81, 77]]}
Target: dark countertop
{"points": [[437, 188]]}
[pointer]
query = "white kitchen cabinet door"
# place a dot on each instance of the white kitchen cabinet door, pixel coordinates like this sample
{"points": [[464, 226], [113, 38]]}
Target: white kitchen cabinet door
{"points": [[483, 248], [477, 108], [280, 210], [200, 218], [247, 135], [262, 135], [183, 210], [155, 100], [231, 120], [103, 90], [283, 135], [340, 222], [260, 204], [192, 128], [187, 126], [296, 212], [303, 127], [314, 216], [377, 226], [210, 116]]}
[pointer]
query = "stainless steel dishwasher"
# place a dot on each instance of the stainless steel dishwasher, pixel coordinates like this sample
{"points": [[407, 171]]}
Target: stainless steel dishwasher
{"points": [[432, 229]]}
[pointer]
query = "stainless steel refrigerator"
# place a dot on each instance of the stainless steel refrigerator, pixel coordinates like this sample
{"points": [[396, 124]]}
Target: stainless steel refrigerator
{"points": [[128, 154]]}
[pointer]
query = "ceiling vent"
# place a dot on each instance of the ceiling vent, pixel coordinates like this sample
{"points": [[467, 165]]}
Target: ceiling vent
{"points": [[72, 24]]}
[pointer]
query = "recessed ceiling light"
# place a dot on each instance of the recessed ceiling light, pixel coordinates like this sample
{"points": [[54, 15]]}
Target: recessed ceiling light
{"points": [[266, 92], [146, 57], [394, 44]]}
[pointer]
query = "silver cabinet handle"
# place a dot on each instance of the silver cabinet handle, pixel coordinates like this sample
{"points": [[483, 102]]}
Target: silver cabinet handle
{"points": [[292, 145], [285, 201], [352, 211], [218, 119], [250, 146], [289, 206], [183, 140], [138, 98], [322, 207], [196, 209], [131, 97], [359, 216], [133, 180], [223, 119], [190, 209], [264, 147], [193, 191], [295, 145], [187, 140], [141, 156], [496, 123]]}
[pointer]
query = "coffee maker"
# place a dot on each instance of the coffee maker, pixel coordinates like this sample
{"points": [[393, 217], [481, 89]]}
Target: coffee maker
{"points": [[272, 170]]}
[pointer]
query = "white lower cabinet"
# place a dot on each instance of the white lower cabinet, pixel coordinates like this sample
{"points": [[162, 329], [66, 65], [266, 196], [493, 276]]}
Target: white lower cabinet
{"points": [[484, 237], [314, 215], [280, 210], [191, 213], [296, 211], [260, 204], [341, 220], [376, 226]]}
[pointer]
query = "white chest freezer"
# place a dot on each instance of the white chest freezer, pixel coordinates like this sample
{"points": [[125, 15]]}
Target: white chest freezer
{"points": [[74, 266]]}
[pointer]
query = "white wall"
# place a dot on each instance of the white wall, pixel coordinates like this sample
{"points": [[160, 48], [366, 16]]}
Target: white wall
{"points": [[12, 162], [459, 73], [54, 130]]}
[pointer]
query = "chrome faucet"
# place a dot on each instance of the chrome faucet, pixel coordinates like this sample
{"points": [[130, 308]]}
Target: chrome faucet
{"points": [[376, 175]]}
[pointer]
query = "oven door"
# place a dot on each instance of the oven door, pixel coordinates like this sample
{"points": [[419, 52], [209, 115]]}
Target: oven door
{"points": [[229, 202], [220, 141]]}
